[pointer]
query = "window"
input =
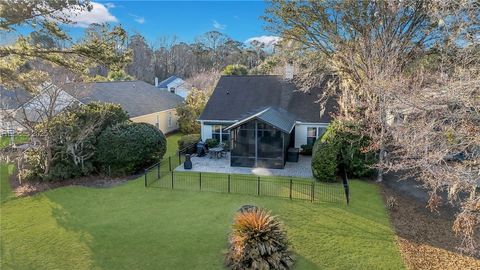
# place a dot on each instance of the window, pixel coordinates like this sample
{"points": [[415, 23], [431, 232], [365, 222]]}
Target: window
{"points": [[311, 135], [220, 134], [172, 90], [216, 132], [169, 119]]}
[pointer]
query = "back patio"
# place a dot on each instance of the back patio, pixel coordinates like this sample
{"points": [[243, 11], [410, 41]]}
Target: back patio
{"points": [[302, 168]]}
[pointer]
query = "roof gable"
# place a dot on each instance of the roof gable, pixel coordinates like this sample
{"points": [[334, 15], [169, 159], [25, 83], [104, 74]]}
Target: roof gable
{"points": [[136, 97], [167, 81], [236, 97]]}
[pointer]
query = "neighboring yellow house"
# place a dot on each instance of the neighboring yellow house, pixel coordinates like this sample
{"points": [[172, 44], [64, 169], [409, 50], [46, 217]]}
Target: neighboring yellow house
{"points": [[143, 102], [166, 121]]}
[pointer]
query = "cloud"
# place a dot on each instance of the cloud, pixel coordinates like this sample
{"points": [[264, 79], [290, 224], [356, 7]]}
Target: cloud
{"points": [[218, 25], [109, 5], [138, 19], [268, 41], [98, 14]]}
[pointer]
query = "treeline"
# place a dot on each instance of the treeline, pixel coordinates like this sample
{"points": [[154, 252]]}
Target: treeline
{"points": [[211, 51]]}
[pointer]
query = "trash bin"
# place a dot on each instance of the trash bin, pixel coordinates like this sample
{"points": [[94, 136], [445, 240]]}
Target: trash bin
{"points": [[201, 151], [292, 154], [187, 165]]}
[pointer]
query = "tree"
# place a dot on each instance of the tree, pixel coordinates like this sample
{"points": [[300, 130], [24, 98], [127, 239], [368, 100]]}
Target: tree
{"points": [[189, 111], [27, 65], [372, 47], [235, 70], [141, 66]]}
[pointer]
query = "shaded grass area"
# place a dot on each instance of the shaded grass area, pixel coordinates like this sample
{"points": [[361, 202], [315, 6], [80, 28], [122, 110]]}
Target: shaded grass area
{"points": [[18, 139], [6, 171], [131, 227], [172, 144]]}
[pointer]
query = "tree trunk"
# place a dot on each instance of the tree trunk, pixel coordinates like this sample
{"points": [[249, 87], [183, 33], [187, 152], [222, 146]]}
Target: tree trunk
{"points": [[48, 157]]}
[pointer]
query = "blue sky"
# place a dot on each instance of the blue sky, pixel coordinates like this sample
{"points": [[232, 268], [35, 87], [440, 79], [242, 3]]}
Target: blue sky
{"points": [[184, 19]]}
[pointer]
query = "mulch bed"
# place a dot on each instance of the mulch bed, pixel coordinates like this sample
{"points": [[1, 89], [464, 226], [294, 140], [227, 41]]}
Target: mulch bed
{"points": [[425, 238]]}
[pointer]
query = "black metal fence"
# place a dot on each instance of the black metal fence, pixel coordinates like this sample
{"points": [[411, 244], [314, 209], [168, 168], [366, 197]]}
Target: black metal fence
{"points": [[163, 175]]}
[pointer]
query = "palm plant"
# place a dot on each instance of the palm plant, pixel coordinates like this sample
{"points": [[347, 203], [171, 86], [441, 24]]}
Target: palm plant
{"points": [[258, 241]]}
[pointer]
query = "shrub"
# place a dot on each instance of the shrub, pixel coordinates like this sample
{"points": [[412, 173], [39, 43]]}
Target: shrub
{"points": [[187, 140], [128, 147], [211, 143], [235, 70], [392, 203], [306, 149], [189, 111], [258, 241], [346, 136], [324, 161]]}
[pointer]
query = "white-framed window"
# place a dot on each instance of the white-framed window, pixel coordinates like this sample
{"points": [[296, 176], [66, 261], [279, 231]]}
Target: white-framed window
{"points": [[220, 134], [311, 135], [170, 119]]}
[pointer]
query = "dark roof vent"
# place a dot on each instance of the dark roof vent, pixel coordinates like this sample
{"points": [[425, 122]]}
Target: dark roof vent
{"points": [[228, 92]]}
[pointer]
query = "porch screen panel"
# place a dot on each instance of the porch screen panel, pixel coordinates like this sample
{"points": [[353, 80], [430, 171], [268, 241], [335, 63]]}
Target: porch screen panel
{"points": [[243, 145], [270, 146]]}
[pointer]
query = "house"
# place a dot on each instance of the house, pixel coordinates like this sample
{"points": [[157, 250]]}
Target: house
{"points": [[174, 85], [261, 117], [142, 101]]}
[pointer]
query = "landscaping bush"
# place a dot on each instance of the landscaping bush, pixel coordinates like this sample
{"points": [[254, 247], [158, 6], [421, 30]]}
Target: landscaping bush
{"points": [[258, 241], [306, 149], [73, 138], [324, 161], [186, 141], [346, 137], [128, 147], [211, 143]]}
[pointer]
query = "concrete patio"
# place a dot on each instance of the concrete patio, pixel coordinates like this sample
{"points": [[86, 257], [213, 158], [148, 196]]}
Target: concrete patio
{"points": [[302, 168]]}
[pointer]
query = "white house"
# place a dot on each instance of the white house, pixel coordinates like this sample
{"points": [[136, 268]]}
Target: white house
{"points": [[174, 85], [262, 116]]}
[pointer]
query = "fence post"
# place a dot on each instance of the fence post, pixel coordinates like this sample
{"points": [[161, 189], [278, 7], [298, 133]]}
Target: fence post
{"points": [[313, 191], [291, 183], [158, 170], [345, 183], [179, 158], [200, 180], [146, 177], [228, 189], [170, 163], [258, 185], [172, 179]]}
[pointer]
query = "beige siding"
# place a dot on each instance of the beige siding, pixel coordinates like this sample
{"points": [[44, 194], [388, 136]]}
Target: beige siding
{"points": [[160, 119]]}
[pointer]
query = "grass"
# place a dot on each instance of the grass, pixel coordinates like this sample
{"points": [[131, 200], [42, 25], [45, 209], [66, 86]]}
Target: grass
{"points": [[172, 143], [132, 227], [5, 140], [5, 189]]}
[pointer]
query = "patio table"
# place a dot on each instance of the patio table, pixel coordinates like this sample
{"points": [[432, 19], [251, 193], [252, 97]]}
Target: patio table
{"points": [[215, 152]]}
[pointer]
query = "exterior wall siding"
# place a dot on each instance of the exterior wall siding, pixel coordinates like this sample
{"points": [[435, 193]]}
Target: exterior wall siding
{"points": [[301, 132], [206, 131], [160, 118]]}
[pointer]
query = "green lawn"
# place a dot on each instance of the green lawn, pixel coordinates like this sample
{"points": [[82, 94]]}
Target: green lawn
{"points": [[5, 140], [131, 227], [5, 190], [172, 143]]}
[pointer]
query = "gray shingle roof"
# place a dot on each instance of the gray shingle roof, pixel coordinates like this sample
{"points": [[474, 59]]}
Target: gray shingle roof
{"points": [[136, 97], [164, 83], [12, 99], [278, 118], [236, 97]]}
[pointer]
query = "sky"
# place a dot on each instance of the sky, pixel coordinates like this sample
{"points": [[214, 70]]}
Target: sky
{"points": [[184, 19]]}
